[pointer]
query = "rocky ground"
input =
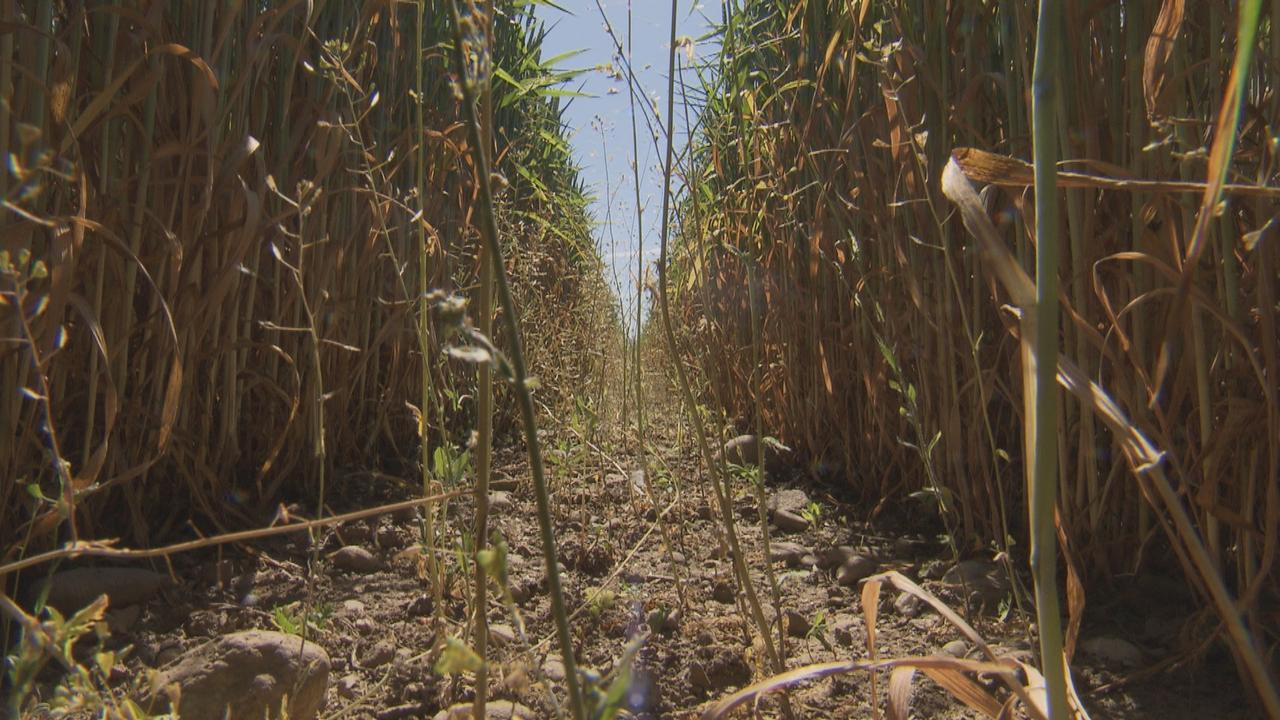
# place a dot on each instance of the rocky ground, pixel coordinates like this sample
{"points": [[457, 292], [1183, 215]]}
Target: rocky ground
{"points": [[225, 624]]}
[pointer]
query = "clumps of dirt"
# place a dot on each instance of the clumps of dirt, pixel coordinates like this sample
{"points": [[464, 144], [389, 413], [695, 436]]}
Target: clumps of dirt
{"points": [[374, 613], [715, 668]]}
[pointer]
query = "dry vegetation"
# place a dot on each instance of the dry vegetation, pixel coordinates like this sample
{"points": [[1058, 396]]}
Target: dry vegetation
{"points": [[236, 210], [884, 346], [252, 253]]}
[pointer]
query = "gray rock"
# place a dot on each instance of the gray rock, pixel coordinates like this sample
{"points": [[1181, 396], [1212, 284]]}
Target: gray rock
{"points": [[908, 605], [787, 521], [855, 570], [742, 450], [792, 500], [836, 556], [500, 501], [71, 590], [637, 484], [956, 648], [981, 580], [1113, 651], [493, 710], [844, 630], [378, 655], [247, 675], [355, 559], [791, 553], [553, 669], [501, 635]]}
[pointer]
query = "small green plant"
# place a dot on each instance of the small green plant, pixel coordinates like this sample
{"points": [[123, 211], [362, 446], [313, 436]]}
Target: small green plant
{"points": [[812, 513], [449, 465], [293, 617], [85, 688], [818, 629], [601, 601]]}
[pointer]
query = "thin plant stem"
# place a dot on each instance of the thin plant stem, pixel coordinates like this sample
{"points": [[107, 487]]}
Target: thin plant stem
{"points": [[469, 82]]}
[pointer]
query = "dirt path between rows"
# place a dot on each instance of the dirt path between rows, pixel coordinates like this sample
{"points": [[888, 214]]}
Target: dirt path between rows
{"points": [[374, 614]]}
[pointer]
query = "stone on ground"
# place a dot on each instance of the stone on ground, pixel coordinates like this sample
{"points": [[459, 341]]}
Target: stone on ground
{"points": [[787, 521], [981, 580], [792, 500], [493, 710], [247, 675], [855, 570], [1113, 651], [71, 590], [908, 605], [844, 630], [355, 559], [500, 501], [793, 554], [742, 450]]}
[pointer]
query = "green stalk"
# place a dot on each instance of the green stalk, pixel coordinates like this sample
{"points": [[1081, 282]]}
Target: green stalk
{"points": [[424, 320], [520, 379], [635, 168], [484, 449], [1043, 483]]}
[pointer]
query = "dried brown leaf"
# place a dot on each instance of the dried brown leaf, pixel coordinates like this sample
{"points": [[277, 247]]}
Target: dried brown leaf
{"points": [[1155, 68]]}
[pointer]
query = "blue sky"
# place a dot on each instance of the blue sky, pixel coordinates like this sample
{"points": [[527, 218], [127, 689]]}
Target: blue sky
{"points": [[600, 125]]}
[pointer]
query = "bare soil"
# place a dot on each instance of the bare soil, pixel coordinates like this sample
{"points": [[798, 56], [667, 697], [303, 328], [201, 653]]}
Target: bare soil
{"points": [[380, 624]]}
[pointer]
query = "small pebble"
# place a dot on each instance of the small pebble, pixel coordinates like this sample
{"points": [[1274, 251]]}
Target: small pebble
{"points": [[908, 605], [355, 559], [380, 654], [1113, 651], [501, 635], [553, 669], [348, 685], [787, 521], [856, 570], [844, 631], [500, 501]]}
